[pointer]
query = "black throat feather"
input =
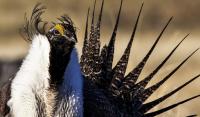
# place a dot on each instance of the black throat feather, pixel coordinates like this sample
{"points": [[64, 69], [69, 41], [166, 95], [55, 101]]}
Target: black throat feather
{"points": [[59, 59]]}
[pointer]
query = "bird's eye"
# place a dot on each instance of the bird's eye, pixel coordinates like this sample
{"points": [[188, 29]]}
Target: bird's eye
{"points": [[56, 32]]}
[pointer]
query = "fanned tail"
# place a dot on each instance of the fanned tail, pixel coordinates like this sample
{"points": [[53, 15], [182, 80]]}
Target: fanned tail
{"points": [[108, 90]]}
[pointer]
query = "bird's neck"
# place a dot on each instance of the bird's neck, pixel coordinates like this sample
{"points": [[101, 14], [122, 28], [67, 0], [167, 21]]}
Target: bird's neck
{"points": [[73, 75], [71, 91], [59, 60]]}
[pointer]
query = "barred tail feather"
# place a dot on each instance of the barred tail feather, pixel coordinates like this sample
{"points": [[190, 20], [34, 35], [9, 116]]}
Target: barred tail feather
{"points": [[132, 77], [146, 107], [169, 107], [146, 80], [120, 68], [148, 92], [111, 48], [112, 91], [86, 35]]}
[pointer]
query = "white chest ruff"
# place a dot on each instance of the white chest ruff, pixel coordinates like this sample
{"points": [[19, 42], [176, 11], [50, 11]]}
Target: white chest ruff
{"points": [[31, 79]]}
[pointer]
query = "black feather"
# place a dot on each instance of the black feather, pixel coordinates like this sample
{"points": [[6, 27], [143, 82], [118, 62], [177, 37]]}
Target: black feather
{"points": [[112, 93], [111, 48], [146, 107], [146, 80], [132, 77], [148, 92], [120, 69], [31, 26], [169, 107]]}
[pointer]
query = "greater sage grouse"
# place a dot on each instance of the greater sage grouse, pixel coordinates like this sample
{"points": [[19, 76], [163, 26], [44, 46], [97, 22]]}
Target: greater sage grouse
{"points": [[52, 83]]}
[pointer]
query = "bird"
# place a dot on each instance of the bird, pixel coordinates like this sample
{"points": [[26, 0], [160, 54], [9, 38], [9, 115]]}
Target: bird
{"points": [[40, 87], [51, 81]]}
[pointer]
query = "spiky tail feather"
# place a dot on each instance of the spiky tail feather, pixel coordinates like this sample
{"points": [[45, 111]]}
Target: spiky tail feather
{"points": [[107, 91]]}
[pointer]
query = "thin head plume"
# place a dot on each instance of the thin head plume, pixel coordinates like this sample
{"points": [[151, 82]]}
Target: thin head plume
{"points": [[35, 19], [146, 80], [60, 19], [53, 23], [120, 68], [31, 26], [44, 27], [38, 7], [111, 45], [65, 19], [132, 77], [149, 91], [24, 31], [155, 113], [146, 107]]}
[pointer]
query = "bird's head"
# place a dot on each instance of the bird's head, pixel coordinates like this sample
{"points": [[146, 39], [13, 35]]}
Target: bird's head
{"points": [[55, 45], [62, 35]]}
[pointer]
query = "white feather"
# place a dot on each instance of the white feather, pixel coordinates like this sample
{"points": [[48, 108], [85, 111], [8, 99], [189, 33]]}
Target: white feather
{"points": [[32, 78]]}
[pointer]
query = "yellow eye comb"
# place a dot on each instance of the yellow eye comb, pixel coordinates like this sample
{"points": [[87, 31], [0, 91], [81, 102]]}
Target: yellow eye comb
{"points": [[60, 28]]}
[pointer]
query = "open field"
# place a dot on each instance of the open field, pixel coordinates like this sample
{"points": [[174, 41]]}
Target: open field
{"points": [[155, 14]]}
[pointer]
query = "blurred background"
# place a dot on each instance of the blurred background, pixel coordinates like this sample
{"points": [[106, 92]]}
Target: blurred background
{"points": [[154, 16]]}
